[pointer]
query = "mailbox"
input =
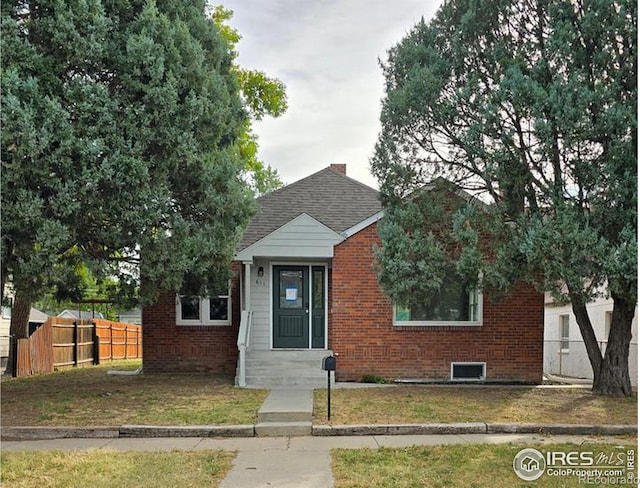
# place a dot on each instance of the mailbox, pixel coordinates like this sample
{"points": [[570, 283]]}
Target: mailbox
{"points": [[329, 363]]}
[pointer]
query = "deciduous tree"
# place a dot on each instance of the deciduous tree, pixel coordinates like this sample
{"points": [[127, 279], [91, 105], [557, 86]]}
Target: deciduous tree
{"points": [[262, 96]]}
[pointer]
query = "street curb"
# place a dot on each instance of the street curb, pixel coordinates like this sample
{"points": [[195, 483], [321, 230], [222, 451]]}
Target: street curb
{"points": [[473, 428], [562, 429], [36, 433], [151, 431], [187, 431], [400, 429]]}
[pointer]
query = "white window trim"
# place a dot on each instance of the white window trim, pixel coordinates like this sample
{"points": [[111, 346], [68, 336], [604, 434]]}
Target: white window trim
{"points": [[442, 323], [204, 311], [470, 363]]}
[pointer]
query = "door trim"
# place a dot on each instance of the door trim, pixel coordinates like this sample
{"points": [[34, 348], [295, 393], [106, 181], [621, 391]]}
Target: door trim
{"points": [[310, 265]]}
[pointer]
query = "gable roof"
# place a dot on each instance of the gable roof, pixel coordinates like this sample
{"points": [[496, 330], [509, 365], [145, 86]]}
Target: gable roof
{"points": [[302, 237], [37, 317], [335, 200]]}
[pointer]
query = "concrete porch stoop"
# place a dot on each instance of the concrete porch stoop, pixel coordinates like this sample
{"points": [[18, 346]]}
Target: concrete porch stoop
{"points": [[286, 368], [286, 412]]}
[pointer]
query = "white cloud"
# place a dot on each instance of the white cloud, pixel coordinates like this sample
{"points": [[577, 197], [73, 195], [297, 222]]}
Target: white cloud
{"points": [[326, 52]]}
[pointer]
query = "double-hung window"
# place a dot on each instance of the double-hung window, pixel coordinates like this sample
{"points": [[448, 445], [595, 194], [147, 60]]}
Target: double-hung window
{"points": [[455, 303], [214, 310]]}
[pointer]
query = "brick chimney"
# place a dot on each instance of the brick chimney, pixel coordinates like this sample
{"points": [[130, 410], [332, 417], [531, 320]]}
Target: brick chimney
{"points": [[339, 168]]}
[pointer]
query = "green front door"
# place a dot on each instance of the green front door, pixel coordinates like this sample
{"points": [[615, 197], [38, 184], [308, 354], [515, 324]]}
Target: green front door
{"points": [[299, 307], [291, 307]]}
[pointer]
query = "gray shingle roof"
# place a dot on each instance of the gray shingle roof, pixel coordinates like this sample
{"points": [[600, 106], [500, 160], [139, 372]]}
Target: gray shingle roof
{"points": [[339, 202]]}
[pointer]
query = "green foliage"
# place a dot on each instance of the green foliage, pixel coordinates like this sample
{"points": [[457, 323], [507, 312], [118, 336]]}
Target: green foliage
{"points": [[372, 378], [531, 106], [262, 96], [121, 122]]}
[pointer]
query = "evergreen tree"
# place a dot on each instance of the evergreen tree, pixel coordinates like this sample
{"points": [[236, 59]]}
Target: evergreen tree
{"points": [[120, 146], [531, 106]]}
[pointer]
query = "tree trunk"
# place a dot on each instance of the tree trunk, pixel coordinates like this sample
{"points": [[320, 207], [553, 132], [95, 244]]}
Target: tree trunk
{"points": [[588, 335], [613, 378], [19, 328]]}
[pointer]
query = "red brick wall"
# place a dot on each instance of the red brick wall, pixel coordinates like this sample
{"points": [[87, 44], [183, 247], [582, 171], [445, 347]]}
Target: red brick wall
{"points": [[171, 348], [362, 333]]}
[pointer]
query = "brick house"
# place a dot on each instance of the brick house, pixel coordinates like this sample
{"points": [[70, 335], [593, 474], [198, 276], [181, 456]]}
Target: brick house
{"points": [[305, 286]]}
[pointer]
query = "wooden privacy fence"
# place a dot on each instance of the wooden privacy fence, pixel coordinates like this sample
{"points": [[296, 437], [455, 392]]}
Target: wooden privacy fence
{"points": [[118, 340], [60, 343]]}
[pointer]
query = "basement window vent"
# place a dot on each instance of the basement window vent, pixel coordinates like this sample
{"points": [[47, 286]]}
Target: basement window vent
{"points": [[468, 371]]}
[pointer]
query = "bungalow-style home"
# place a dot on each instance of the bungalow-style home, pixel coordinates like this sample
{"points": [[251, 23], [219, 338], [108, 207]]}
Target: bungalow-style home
{"points": [[306, 288], [565, 354]]}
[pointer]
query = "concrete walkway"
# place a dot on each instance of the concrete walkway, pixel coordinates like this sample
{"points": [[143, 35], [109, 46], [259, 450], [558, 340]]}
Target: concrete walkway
{"points": [[286, 412], [301, 462]]}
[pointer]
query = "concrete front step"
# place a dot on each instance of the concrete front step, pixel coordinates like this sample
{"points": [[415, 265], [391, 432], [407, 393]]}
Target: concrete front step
{"points": [[285, 359], [282, 368], [287, 381], [283, 429]]}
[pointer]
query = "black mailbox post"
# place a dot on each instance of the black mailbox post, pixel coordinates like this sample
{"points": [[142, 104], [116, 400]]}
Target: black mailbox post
{"points": [[329, 364]]}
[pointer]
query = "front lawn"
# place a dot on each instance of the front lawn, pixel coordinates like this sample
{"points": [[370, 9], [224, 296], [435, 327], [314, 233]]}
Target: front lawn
{"points": [[109, 469], [491, 404], [471, 466], [89, 396]]}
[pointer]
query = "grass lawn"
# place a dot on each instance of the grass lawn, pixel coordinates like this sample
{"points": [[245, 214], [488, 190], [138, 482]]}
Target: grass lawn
{"points": [[108, 469], [471, 466], [88, 396], [426, 404]]}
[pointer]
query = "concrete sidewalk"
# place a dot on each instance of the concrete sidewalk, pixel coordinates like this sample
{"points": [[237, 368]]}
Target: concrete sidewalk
{"points": [[301, 462]]}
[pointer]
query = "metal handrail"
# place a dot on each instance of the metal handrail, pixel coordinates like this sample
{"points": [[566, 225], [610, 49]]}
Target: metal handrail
{"points": [[244, 333], [244, 338]]}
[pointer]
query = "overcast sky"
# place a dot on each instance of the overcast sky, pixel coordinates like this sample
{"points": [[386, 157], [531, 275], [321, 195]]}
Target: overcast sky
{"points": [[326, 52]]}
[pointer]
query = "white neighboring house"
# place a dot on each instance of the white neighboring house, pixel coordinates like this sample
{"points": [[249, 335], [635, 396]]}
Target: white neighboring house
{"points": [[131, 317], [36, 318], [564, 350], [5, 323], [81, 314]]}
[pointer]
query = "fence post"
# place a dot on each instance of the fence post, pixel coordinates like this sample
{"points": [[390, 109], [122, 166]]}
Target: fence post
{"points": [[96, 344], [126, 341], [560, 354], [75, 343], [111, 340], [13, 345]]}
